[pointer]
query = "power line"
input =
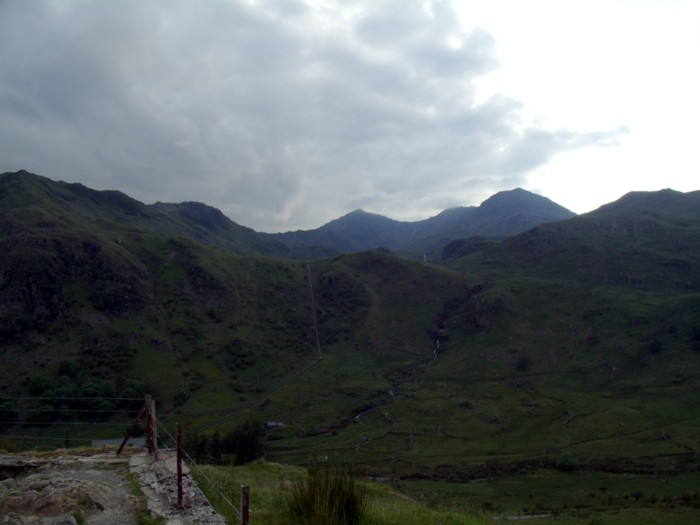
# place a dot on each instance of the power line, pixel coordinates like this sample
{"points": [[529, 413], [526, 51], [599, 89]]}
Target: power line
{"points": [[41, 438], [60, 423], [71, 398], [94, 411], [260, 399], [255, 402]]}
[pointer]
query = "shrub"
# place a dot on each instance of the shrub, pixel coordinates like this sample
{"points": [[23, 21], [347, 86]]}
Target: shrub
{"points": [[180, 399], [656, 347], [6, 445], [523, 363], [38, 384], [567, 463], [68, 368], [327, 496], [696, 334], [695, 339], [44, 414], [8, 413]]}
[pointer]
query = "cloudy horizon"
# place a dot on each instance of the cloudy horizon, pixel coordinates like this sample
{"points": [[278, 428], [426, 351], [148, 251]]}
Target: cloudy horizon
{"points": [[288, 114]]}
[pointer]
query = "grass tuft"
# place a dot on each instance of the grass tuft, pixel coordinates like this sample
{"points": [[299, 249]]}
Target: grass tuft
{"points": [[327, 496]]}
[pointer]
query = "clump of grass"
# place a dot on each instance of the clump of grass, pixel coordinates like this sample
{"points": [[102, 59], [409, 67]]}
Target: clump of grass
{"points": [[143, 516], [327, 496], [7, 445]]}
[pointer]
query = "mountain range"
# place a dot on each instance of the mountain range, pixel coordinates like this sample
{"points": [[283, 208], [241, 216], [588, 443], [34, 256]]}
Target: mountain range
{"points": [[575, 338], [502, 215]]}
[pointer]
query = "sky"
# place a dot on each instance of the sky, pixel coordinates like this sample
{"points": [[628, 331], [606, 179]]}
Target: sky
{"points": [[287, 114]]}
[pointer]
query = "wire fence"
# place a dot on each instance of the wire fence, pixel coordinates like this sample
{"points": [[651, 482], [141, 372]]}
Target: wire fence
{"points": [[40, 422], [42, 398], [90, 434], [211, 485]]}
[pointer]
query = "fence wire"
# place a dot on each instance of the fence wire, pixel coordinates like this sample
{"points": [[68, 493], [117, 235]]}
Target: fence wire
{"points": [[193, 463], [166, 441]]}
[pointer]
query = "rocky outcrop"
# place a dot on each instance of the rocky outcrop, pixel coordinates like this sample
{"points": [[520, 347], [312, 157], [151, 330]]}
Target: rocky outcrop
{"points": [[94, 488], [56, 490]]}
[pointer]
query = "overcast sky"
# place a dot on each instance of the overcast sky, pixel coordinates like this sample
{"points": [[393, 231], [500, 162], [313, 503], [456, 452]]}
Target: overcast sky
{"points": [[288, 114]]}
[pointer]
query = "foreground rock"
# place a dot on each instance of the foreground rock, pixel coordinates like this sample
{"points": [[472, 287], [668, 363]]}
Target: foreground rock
{"points": [[58, 489], [94, 487]]}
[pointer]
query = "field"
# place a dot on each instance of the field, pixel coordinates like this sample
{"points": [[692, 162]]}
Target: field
{"points": [[556, 497]]}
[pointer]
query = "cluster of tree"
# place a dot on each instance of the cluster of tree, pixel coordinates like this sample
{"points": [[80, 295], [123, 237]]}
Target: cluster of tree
{"points": [[69, 397], [244, 444]]}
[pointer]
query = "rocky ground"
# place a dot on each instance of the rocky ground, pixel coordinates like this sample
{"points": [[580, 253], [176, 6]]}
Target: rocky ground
{"points": [[96, 488]]}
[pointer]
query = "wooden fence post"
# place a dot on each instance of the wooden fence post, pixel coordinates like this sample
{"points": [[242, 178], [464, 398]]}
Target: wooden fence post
{"points": [[132, 428], [152, 428], [245, 513]]}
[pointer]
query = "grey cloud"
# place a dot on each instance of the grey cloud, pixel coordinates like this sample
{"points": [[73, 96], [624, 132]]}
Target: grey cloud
{"points": [[283, 116]]}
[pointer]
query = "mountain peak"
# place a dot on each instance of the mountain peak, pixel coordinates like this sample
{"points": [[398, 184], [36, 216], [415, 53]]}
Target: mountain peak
{"points": [[358, 217], [646, 199], [518, 196]]}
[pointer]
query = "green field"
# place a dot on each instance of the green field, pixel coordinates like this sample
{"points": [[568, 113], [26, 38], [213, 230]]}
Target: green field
{"points": [[556, 497]]}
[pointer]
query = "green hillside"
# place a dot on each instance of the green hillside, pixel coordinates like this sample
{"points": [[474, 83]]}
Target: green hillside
{"points": [[521, 377]]}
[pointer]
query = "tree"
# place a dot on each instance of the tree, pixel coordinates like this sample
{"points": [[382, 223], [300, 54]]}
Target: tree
{"points": [[201, 447], [38, 384], [44, 414], [567, 462], [696, 339], [8, 413], [216, 447], [68, 368], [246, 442]]}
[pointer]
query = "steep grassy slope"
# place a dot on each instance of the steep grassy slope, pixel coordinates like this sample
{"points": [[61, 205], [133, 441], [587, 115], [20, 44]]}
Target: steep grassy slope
{"points": [[31, 203], [201, 329], [643, 240]]}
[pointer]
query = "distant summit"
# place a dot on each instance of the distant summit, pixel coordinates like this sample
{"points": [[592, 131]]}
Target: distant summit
{"points": [[503, 215], [667, 199]]}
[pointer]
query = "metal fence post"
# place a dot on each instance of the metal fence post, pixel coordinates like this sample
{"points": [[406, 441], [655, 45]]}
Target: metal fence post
{"points": [[152, 428], [178, 455], [245, 513]]}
